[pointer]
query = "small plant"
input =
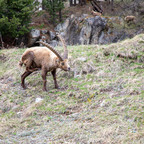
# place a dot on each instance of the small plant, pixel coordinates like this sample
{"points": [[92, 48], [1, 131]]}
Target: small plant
{"points": [[41, 26]]}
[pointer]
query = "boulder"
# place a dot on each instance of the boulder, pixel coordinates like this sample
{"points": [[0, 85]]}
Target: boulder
{"points": [[44, 31], [33, 36], [54, 43], [81, 30], [52, 35]]}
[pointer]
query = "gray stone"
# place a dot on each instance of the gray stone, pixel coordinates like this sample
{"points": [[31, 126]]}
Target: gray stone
{"points": [[43, 40], [91, 30], [54, 43], [81, 30], [33, 36], [38, 100], [52, 35], [83, 59], [44, 31], [35, 33]]}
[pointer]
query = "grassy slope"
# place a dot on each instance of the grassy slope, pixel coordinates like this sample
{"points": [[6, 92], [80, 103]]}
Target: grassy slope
{"points": [[100, 101]]}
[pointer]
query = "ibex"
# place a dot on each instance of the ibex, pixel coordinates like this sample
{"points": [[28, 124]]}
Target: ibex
{"points": [[130, 19], [45, 58], [94, 13]]}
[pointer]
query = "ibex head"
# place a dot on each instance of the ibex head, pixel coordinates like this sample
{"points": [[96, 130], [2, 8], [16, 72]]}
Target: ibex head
{"points": [[64, 65], [62, 62]]}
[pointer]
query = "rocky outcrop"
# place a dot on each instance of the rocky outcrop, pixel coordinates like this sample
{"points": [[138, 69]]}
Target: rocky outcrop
{"points": [[90, 30], [84, 30]]}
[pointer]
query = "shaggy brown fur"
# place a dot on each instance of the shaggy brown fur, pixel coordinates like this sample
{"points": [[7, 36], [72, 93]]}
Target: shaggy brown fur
{"points": [[130, 19], [43, 58], [96, 13]]}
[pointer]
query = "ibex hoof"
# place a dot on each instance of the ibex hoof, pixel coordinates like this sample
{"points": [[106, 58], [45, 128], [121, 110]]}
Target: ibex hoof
{"points": [[24, 87], [44, 89], [57, 87]]}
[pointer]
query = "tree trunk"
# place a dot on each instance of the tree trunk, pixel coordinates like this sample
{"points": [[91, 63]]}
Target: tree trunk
{"points": [[80, 2], [60, 11], [70, 1], [60, 16], [112, 5], [74, 2], [53, 9], [84, 2]]}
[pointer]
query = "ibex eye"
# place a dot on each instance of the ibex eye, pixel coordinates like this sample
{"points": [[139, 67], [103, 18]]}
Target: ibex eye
{"points": [[62, 63]]}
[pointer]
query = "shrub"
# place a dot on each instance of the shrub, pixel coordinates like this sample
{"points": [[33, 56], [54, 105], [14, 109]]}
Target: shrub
{"points": [[15, 16]]}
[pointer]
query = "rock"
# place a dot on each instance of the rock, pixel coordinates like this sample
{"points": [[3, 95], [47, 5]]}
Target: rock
{"points": [[88, 69], [19, 114], [54, 43], [70, 30], [43, 40], [35, 33], [52, 35], [44, 31], [104, 103], [43, 37], [33, 36], [83, 59], [85, 33], [38, 100], [91, 30], [81, 30], [98, 26], [74, 115]]}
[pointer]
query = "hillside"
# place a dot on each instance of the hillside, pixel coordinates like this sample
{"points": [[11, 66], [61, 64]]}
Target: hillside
{"points": [[100, 100]]}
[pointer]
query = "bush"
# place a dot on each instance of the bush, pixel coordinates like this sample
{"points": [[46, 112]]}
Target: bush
{"points": [[15, 16], [54, 7]]}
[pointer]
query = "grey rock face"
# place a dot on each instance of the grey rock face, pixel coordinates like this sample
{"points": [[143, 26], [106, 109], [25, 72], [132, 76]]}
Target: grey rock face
{"points": [[52, 35], [44, 31], [53, 43], [89, 30], [83, 30], [33, 36], [35, 33]]}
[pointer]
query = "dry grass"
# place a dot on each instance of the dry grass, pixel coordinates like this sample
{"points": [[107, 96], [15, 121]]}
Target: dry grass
{"points": [[100, 100]]}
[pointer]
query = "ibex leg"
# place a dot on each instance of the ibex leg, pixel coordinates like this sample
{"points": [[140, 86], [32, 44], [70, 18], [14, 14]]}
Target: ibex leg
{"points": [[54, 77], [23, 76], [44, 73]]}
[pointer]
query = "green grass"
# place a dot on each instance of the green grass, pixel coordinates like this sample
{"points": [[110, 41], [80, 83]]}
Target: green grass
{"points": [[101, 106]]}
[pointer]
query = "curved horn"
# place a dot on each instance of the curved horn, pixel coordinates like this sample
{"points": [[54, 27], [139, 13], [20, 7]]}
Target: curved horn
{"points": [[64, 45], [52, 49]]}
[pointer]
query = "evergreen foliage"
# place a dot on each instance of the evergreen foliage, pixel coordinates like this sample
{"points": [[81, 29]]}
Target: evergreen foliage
{"points": [[15, 16], [54, 8]]}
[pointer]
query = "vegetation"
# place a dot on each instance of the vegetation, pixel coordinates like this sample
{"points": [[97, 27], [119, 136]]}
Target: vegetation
{"points": [[15, 16], [100, 100], [54, 7]]}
